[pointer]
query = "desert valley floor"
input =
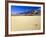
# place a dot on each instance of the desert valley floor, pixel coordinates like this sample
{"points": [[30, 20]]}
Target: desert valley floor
{"points": [[21, 23]]}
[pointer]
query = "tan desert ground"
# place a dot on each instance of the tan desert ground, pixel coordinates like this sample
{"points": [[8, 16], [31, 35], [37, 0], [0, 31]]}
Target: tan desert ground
{"points": [[21, 23]]}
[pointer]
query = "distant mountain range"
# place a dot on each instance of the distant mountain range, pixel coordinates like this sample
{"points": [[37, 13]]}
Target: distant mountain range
{"points": [[29, 13]]}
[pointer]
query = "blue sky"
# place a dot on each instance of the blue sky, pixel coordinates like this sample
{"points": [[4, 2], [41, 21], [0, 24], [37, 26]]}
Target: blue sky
{"points": [[21, 9]]}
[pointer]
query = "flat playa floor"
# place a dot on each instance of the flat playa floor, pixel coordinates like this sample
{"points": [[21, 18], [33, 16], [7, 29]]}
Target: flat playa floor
{"points": [[21, 23]]}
